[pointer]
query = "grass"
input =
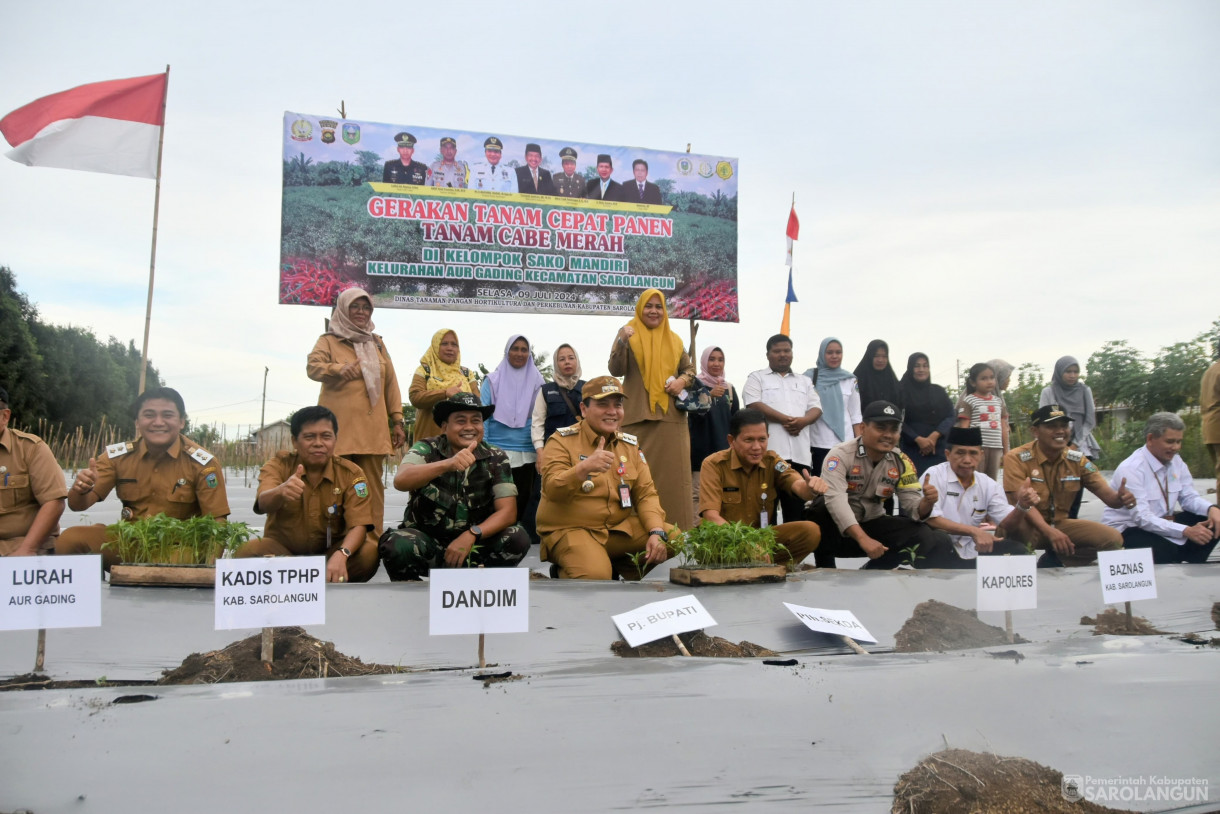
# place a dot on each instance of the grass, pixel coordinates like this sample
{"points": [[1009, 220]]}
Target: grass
{"points": [[162, 539]]}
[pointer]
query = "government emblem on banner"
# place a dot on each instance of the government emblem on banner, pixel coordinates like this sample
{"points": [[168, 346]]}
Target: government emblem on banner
{"points": [[328, 130], [351, 133], [302, 130], [723, 169], [685, 166], [705, 170]]}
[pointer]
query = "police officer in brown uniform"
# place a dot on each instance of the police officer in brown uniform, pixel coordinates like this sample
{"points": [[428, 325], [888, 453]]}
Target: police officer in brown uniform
{"points": [[567, 183], [316, 502], [32, 490], [1057, 474], [163, 471], [741, 484], [861, 474], [599, 504]]}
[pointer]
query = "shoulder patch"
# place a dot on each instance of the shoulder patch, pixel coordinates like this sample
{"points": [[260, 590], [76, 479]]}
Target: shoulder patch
{"points": [[566, 431], [782, 467], [420, 448], [361, 488], [201, 455], [1075, 455], [1090, 467], [628, 437], [1025, 455], [832, 464], [121, 448]]}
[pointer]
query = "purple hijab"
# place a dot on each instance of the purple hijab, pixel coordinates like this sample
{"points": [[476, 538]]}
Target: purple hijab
{"points": [[513, 390]]}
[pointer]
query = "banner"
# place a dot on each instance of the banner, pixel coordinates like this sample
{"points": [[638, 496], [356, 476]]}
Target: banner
{"points": [[430, 218]]}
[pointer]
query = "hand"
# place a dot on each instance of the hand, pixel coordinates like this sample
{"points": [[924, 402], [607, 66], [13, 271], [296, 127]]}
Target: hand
{"points": [[675, 386], [453, 391], [541, 459], [625, 333], [794, 425], [1060, 542], [350, 371], [1027, 497], [817, 485], [86, 477], [294, 487], [336, 567], [1124, 494], [872, 548], [457, 551], [930, 492], [398, 436], [655, 549], [463, 458], [1199, 533], [600, 461], [1213, 519], [719, 390], [984, 540], [926, 445]]}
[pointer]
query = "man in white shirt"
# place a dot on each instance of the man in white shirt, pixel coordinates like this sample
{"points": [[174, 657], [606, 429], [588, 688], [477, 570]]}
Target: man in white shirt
{"points": [[1157, 476], [791, 405], [972, 506]]}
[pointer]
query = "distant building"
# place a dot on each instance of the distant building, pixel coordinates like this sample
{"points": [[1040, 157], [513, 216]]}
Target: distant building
{"points": [[272, 438]]}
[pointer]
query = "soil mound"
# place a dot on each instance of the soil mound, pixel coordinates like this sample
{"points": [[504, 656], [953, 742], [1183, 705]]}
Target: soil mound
{"points": [[957, 780], [698, 643], [1216, 614], [1113, 621], [937, 626], [296, 655]]}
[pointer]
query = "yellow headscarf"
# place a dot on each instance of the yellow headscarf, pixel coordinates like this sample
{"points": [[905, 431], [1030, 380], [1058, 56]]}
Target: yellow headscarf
{"points": [[657, 351], [437, 374]]}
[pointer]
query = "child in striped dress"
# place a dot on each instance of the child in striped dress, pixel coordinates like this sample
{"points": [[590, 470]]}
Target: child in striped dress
{"points": [[984, 408]]}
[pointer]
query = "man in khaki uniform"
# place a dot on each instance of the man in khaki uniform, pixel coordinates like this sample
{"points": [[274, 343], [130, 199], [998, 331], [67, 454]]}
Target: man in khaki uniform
{"points": [[163, 471], [742, 484], [599, 504], [1209, 409], [316, 502], [1057, 475], [32, 490]]}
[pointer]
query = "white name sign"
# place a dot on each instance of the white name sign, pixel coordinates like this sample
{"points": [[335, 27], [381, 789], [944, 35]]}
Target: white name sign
{"points": [[46, 592], [1007, 583], [837, 622], [1126, 575], [478, 600], [270, 592], [657, 620]]}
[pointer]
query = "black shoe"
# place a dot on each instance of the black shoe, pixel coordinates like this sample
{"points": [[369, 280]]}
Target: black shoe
{"points": [[1049, 559], [554, 570]]}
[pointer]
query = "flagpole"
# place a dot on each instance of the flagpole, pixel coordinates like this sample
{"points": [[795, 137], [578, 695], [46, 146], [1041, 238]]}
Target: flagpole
{"points": [[152, 262]]}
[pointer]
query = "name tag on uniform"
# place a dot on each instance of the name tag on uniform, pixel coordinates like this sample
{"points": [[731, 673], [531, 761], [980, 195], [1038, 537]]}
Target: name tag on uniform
{"points": [[624, 495]]}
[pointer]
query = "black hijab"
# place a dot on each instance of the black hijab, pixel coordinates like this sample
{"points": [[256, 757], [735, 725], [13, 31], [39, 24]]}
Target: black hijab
{"points": [[876, 385], [924, 402]]}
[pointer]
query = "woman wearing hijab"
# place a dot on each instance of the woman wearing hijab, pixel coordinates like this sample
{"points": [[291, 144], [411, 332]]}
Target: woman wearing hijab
{"points": [[875, 377], [841, 417], [557, 405], [360, 387], [512, 388], [1075, 399], [440, 375], [929, 414], [655, 370], [709, 431]]}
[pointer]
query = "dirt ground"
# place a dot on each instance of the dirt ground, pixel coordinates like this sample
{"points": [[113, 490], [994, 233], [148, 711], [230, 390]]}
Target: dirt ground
{"points": [[957, 781], [36, 681], [1113, 621], [936, 626], [296, 654], [1216, 614], [698, 643]]}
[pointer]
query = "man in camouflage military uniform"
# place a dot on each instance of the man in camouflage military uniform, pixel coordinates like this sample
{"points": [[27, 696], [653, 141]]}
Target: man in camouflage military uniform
{"points": [[463, 507], [599, 504], [1057, 474], [404, 170], [449, 172], [491, 174], [860, 475], [567, 183]]}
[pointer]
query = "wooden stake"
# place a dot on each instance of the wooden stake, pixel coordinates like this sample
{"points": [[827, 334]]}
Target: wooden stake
{"points": [[1008, 626], [268, 642], [482, 661], [850, 642], [41, 654], [681, 647], [1130, 620]]}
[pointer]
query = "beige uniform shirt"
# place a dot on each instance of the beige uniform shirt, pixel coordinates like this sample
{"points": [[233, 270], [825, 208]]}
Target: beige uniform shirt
{"points": [[186, 482], [340, 501], [740, 494], [364, 428], [29, 477], [857, 488], [1209, 403], [1057, 482]]}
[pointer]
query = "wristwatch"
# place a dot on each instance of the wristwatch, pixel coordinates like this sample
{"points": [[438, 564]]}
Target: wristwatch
{"points": [[477, 532], [345, 552], [660, 533]]}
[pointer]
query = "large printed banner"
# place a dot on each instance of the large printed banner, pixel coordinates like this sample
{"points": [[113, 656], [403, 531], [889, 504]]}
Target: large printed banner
{"points": [[427, 218]]}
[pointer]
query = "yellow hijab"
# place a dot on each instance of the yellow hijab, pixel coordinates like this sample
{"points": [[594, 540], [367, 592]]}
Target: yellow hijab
{"points": [[437, 374], [657, 351]]}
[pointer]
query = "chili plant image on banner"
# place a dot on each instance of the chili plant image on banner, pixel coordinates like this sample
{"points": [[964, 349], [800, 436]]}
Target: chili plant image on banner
{"points": [[428, 218]]}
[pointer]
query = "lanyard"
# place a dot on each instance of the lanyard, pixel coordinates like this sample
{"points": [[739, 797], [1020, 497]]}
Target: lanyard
{"points": [[1164, 487]]}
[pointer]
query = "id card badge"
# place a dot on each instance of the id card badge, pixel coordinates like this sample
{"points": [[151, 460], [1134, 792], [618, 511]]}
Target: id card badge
{"points": [[624, 495], [762, 519]]}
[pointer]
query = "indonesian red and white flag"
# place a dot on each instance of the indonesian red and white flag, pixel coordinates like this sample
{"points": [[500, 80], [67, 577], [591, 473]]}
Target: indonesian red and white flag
{"points": [[103, 127], [794, 231]]}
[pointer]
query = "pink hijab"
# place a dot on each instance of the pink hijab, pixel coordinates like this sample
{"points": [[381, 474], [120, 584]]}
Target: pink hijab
{"points": [[707, 378]]}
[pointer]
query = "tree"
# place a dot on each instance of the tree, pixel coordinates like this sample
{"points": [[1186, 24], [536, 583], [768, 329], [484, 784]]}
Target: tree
{"points": [[1023, 399], [1173, 382], [205, 435], [1116, 374], [22, 375], [370, 164]]}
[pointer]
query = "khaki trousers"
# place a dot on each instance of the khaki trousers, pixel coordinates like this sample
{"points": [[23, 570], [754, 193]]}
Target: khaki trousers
{"points": [[87, 540], [1088, 536], [374, 467], [580, 555], [800, 538], [361, 566]]}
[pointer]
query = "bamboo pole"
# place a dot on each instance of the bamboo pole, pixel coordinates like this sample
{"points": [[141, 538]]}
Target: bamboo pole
{"points": [[152, 263], [850, 642], [681, 647], [41, 654], [268, 645]]}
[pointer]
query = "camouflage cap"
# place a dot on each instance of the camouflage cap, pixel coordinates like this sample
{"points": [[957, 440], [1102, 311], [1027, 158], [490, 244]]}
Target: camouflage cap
{"points": [[459, 402], [601, 387]]}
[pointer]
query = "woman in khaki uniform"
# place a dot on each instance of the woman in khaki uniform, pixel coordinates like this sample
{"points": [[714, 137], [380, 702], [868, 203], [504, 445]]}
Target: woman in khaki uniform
{"points": [[360, 387], [655, 370], [440, 375]]}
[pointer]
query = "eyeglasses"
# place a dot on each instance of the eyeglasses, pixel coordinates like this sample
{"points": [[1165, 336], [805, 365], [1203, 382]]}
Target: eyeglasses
{"points": [[361, 307]]}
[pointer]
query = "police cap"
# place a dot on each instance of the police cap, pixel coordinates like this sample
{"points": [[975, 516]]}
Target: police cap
{"points": [[404, 140], [493, 143], [879, 411], [567, 154]]}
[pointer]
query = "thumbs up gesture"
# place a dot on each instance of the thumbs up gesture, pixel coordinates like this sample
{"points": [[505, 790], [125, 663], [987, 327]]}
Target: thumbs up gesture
{"points": [[930, 492], [1125, 495], [601, 460], [1027, 498], [294, 487], [86, 477], [464, 458]]}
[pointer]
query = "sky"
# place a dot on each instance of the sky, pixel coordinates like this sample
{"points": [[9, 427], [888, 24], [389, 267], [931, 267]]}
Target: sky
{"points": [[1021, 180]]}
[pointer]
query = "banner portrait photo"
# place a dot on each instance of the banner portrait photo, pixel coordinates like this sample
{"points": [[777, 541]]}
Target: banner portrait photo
{"points": [[428, 218]]}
